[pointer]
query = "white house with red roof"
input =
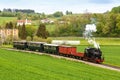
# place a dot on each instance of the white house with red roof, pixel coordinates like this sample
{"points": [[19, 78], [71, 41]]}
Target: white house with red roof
{"points": [[26, 22]]}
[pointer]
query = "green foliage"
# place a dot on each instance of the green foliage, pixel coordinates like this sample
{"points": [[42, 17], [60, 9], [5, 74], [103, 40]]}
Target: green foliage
{"points": [[115, 9], [49, 40], [107, 24], [31, 30], [32, 67], [38, 39], [68, 12], [58, 14], [43, 16], [28, 38], [22, 32], [41, 32], [9, 25], [71, 26], [7, 14], [35, 38], [9, 39]]}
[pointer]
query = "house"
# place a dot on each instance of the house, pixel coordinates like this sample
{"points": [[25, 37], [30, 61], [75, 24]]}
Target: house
{"points": [[26, 22], [47, 21], [5, 33]]}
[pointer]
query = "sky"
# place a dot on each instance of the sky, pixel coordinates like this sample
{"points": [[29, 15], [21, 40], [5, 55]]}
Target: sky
{"points": [[51, 6]]}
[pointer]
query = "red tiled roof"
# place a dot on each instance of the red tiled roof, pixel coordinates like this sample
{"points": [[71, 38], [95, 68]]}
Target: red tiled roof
{"points": [[23, 21]]}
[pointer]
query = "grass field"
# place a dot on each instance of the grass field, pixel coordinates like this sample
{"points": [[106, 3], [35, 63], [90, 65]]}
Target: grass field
{"points": [[111, 54], [4, 20], [50, 27], [24, 66]]}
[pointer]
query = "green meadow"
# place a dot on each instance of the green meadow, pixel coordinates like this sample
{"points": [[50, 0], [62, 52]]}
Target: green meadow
{"points": [[25, 66], [4, 20]]}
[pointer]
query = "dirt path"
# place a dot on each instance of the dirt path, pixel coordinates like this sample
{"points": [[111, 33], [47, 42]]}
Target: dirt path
{"points": [[110, 67]]}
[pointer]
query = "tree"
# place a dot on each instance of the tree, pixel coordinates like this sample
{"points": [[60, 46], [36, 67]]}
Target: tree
{"points": [[30, 30], [9, 25], [58, 14], [42, 16], [68, 12], [41, 32], [23, 32], [115, 9], [118, 25]]}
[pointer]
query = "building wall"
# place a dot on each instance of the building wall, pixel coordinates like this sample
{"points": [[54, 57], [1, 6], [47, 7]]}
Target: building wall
{"points": [[4, 33]]}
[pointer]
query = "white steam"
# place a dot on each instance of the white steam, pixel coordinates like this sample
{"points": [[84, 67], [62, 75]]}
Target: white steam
{"points": [[89, 29]]}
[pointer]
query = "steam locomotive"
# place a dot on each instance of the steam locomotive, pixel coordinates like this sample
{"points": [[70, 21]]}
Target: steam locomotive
{"points": [[90, 54]]}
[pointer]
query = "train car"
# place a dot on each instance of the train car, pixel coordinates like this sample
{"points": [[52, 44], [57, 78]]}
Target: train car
{"points": [[66, 50], [20, 44], [70, 51], [51, 48], [33, 46]]}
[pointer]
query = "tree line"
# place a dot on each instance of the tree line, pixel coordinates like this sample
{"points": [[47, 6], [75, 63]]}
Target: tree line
{"points": [[31, 14], [19, 10], [108, 24]]}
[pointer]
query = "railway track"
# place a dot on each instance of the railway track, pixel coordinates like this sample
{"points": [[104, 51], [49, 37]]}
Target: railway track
{"points": [[106, 66]]}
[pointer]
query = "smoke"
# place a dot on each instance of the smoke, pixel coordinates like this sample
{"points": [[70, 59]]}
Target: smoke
{"points": [[89, 29]]}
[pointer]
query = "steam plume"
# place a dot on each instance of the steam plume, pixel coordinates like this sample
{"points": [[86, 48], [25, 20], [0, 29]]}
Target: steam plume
{"points": [[89, 29]]}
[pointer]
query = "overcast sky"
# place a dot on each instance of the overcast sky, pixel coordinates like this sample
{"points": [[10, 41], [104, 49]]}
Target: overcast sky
{"points": [[51, 6]]}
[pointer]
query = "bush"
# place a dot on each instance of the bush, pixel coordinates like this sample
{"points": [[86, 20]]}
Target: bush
{"points": [[35, 38], [49, 40], [28, 38]]}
